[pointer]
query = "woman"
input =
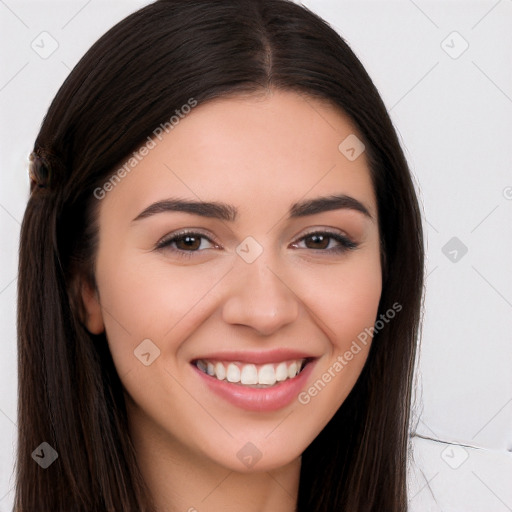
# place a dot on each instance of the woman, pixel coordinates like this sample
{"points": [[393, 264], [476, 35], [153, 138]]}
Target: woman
{"points": [[221, 271]]}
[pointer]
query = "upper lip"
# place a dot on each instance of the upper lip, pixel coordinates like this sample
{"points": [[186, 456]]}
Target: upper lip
{"points": [[257, 356]]}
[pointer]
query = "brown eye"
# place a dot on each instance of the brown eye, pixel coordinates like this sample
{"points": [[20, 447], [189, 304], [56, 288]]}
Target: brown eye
{"points": [[185, 243], [326, 242], [317, 241], [188, 242]]}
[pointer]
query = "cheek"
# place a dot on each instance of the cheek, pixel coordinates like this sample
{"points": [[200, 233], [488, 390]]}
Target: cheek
{"points": [[345, 298], [346, 307], [144, 300]]}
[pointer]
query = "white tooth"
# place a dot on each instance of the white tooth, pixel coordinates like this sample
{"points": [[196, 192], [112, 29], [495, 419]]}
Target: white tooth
{"points": [[200, 364], [281, 372], [292, 370], [249, 374], [267, 375], [220, 371], [210, 369], [233, 373]]}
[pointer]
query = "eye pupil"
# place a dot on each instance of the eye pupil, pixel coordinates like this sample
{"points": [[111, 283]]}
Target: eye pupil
{"points": [[190, 242], [319, 241]]}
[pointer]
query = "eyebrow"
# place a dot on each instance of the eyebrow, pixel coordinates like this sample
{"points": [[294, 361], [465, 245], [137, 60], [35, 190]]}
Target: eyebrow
{"points": [[229, 213]]}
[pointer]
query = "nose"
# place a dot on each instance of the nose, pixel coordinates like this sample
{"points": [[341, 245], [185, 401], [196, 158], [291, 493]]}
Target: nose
{"points": [[260, 298]]}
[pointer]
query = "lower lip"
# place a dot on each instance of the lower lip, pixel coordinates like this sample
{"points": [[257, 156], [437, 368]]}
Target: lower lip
{"points": [[258, 399]]}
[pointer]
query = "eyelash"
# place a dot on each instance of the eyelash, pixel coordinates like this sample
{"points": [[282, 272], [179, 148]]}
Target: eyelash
{"points": [[345, 243]]}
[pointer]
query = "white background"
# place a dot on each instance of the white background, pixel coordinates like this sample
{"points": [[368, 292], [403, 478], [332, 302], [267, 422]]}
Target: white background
{"points": [[453, 112]]}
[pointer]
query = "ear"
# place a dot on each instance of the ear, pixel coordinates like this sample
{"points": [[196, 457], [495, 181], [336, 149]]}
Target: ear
{"points": [[92, 309]]}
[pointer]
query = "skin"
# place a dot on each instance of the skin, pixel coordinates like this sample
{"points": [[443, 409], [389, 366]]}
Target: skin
{"points": [[260, 154]]}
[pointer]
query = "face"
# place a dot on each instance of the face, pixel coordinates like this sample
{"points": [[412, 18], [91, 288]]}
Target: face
{"points": [[242, 249]]}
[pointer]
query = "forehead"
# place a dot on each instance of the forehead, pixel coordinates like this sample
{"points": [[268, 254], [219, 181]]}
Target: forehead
{"points": [[252, 150]]}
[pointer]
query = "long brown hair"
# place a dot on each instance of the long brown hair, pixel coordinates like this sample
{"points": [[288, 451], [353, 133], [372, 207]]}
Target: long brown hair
{"points": [[130, 81]]}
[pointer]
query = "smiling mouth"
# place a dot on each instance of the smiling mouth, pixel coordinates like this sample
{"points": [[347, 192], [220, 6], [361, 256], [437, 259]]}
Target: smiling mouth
{"points": [[252, 375]]}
